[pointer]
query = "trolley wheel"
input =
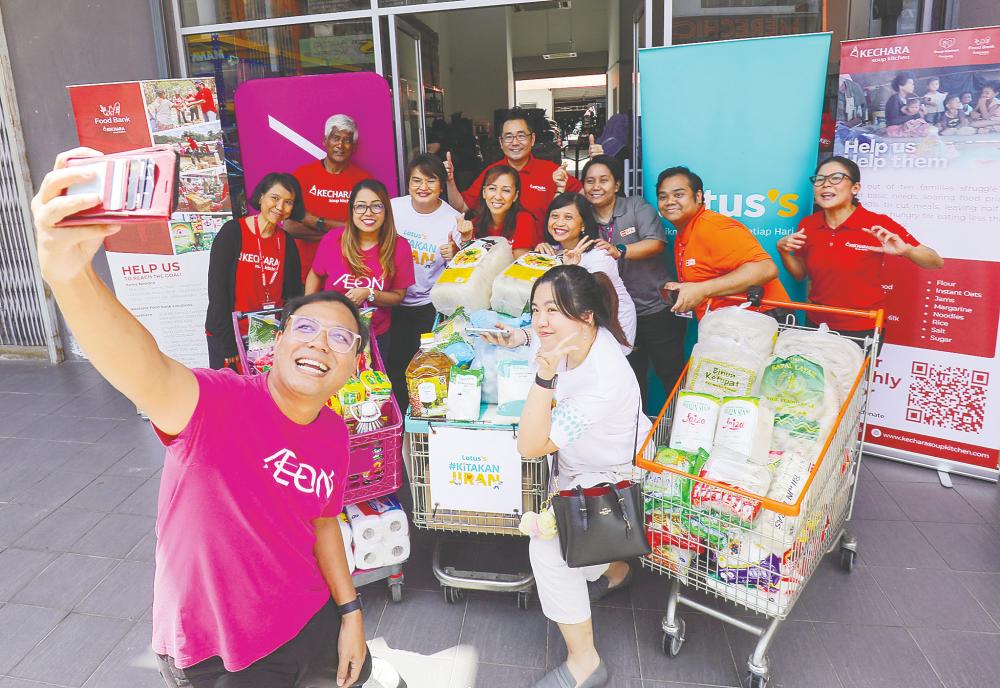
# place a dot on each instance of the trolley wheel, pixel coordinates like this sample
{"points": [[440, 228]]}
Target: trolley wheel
{"points": [[756, 681], [524, 599], [453, 595], [396, 592], [671, 644], [847, 557]]}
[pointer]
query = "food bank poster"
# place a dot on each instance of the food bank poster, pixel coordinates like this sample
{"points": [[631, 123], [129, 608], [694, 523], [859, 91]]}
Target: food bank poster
{"points": [[936, 398], [160, 270]]}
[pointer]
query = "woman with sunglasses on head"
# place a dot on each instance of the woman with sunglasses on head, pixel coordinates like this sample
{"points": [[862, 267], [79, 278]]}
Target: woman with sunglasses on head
{"points": [[499, 212], [427, 223], [253, 265], [366, 260], [842, 248]]}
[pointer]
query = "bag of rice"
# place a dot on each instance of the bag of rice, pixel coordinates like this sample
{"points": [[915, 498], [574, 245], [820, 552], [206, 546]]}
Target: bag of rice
{"points": [[745, 426], [839, 356], [468, 279], [798, 386], [695, 417], [512, 287], [723, 368], [742, 326]]}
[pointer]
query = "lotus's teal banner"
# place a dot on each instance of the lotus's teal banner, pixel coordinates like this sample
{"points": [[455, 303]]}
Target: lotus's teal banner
{"points": [[745, 116]]}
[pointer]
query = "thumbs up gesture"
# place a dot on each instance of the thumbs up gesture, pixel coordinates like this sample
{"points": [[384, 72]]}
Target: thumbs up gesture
{"points": [[449, 167], [594, 148], [465, 228], [560, 176]]}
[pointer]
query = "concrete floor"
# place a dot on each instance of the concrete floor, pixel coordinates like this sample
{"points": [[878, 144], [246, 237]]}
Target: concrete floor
{"points": [[78, 482]]}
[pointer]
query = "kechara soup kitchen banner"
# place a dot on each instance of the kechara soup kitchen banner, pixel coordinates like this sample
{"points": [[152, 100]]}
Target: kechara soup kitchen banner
{"points": [[937, 391], [160, 269]]}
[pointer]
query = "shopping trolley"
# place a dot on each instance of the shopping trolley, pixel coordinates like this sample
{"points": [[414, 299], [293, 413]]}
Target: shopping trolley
{"points": [[375, 465], [427, 515], [707, 551]]}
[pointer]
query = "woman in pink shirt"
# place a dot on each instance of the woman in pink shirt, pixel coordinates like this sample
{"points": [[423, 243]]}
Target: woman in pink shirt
{"points": [[366, 260]]}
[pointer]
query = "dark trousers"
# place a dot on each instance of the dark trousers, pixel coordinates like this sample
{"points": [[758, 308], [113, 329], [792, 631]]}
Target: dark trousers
{"points": [[218, 352], [659, 338], [408, 323], [309, 660]]}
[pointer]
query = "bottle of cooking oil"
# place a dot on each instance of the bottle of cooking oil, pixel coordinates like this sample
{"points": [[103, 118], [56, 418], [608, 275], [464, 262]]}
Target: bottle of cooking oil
{"points": [[427, 380]]}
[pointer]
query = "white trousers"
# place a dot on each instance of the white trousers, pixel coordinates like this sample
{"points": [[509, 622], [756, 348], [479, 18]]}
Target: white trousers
{"points": [[562, 591]]}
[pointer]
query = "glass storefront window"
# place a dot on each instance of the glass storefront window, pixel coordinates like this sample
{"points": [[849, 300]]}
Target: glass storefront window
{"points": [[697, 21], [204, 12], [233, 57]]}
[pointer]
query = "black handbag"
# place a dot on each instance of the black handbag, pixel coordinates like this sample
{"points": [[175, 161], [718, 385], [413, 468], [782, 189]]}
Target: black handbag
{"points": [[600, 524]]}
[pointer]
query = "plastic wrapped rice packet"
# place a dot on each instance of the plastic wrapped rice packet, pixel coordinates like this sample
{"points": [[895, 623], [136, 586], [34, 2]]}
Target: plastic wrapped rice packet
{"points": [[468, 279]]}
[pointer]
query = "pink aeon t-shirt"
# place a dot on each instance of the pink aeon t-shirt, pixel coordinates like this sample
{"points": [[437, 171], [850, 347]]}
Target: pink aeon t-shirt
{"points": [[337, 275], [242, 485]]}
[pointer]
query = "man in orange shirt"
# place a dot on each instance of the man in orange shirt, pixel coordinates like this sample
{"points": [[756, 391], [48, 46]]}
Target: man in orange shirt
{"points": [[715, 255]]}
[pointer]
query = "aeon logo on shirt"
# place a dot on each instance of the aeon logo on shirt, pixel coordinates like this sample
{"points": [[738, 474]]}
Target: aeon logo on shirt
{"points": [[289, 471], [353, 282], [752, 205]]}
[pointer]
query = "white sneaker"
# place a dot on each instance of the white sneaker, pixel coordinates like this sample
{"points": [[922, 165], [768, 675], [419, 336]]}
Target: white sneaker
{"points": [[384, 675]]}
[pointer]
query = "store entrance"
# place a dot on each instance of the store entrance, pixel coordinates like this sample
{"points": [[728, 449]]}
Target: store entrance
{"points": [[453, 74]]}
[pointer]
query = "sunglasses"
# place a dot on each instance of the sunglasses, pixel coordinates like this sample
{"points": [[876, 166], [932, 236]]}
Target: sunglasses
{"points": [[304, 329]]}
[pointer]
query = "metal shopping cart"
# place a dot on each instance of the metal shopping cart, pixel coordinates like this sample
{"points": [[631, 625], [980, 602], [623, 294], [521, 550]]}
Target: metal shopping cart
{"points": [[427, 515], [764, 564], [375, 467]]}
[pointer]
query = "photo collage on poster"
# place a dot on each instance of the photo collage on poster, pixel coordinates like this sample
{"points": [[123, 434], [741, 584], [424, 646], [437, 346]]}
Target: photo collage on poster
{"points": [[183, 113]]}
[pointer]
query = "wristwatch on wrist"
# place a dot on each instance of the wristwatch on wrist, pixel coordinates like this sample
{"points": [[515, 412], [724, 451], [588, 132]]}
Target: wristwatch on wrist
{"points": [[371, 295], [546, 384], [622, 248], [348, 607], [320, 224]]}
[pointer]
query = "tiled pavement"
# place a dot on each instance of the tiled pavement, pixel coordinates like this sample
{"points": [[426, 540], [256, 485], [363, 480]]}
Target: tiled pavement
{"points": [[78, 483]]}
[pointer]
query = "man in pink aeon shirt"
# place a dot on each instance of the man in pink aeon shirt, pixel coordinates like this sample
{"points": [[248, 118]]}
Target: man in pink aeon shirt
{"points": [[252, 585]]}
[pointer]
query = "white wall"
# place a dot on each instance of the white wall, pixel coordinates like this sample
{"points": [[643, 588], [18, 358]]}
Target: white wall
{"points": [[540, 97], [974, 13]]}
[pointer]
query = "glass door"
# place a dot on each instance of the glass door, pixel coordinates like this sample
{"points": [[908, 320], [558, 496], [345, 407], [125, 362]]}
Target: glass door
{"points": [[407, 90]]}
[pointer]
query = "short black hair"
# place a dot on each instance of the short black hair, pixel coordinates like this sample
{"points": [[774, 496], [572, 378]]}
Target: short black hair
{"points": [[900, 80], [680, 171], [286, 180], [429, 164], [613, 164], [853, 171], [293, 305], [951, 97], [516, 113]]}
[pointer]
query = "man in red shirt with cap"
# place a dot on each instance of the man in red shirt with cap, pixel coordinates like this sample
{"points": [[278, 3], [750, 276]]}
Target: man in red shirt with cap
{"points": [[541, 180]]}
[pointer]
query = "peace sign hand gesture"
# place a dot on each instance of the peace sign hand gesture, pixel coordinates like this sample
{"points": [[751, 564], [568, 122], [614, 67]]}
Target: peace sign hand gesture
{"points": [[548, 361], [892, 244], [573, 255]]}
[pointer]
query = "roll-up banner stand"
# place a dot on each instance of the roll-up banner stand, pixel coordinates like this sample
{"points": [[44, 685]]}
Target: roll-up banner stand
{"points": [[936, 172], [754, 146]]}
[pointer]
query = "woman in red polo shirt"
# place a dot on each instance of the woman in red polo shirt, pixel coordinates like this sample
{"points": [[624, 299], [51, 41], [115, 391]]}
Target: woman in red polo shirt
{"points": [[842, 248], [499, 212], [253, 264]]}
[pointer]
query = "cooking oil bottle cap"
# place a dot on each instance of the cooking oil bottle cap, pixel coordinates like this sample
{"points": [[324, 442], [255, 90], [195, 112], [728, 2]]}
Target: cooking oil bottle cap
{"points": [[427, 340]]}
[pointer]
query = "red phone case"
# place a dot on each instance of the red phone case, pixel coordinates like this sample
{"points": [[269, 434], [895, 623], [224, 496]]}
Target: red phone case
{"points": [[164, 192]]}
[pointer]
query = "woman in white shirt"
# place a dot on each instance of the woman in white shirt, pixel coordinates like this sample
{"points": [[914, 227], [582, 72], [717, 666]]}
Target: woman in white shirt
{"points": [[427, 222], [585, 405], [571, 231]]}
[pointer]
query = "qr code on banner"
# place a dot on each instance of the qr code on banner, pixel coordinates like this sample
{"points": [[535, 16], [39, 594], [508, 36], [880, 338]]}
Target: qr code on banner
{"points": [[947, 396]]}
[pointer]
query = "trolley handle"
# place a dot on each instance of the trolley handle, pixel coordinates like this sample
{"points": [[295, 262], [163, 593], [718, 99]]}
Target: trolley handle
{"points": [[877, 315]]}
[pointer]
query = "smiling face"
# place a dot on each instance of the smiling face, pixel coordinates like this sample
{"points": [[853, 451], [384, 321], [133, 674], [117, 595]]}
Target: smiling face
{"points": [[368, 221], [966, 98], [551, 324], [676, 200], [313, 369], [565, 225], [339, 146], [831, 195], [599, 186], [933, 85], [516, 140], [989, 93], [276, 204], [500, 194], [424, 188]]}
